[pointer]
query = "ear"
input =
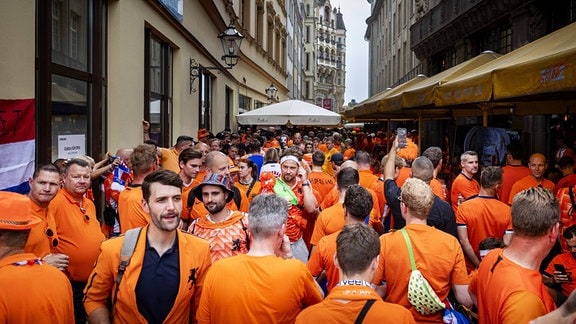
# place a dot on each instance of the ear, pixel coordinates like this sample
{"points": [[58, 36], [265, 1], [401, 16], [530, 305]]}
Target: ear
{"points": [[336, 261], [30, 180], [555, 232], [145, 206], [375, 262]]}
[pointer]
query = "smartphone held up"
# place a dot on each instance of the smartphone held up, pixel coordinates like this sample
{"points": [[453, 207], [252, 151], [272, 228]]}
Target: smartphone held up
{"points": [[401, 133]]}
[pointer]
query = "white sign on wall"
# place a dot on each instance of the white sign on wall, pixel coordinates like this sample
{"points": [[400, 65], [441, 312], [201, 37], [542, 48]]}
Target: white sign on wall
{"points": [[70, 146]]}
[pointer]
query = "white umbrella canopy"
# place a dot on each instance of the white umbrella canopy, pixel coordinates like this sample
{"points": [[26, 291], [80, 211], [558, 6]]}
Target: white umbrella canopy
{"points": [[295, 112]]}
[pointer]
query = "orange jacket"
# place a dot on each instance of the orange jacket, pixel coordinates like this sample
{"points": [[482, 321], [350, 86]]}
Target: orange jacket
{"points": [[194, 258]]}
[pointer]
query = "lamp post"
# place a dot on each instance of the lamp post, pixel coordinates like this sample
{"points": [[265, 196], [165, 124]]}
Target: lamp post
{"points": [[271, 93], [231, 40]]}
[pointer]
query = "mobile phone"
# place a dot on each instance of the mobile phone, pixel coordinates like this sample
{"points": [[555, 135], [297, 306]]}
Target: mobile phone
{"points": [[560, 268], [401, 133]]}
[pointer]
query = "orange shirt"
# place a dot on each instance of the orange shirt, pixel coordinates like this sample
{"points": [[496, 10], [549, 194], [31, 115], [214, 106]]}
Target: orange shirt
{"points": [[256, 289], [349, 153], [507, 292], [462, 185], [331, 220], [79, 238], [402, 176], [437, 189], [39, 243], [33, 293], [255, 191], [367, 178], [565, 182], [483, 217], [130, 210], [226, 238], [528, 182], [569, 263], [170, 159], [567, 214], [198, 210], [194, 256], [438, 256], [321, 182], [322, 258], [511, 174], [333, 310], [332, 198], [185, 214]]}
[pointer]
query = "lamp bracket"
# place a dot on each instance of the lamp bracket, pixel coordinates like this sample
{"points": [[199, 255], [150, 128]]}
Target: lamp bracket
{"points": [[196, 70]]}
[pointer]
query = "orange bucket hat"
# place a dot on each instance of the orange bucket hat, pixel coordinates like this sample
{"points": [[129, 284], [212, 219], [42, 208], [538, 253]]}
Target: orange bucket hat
{"points": [[16, 212]]}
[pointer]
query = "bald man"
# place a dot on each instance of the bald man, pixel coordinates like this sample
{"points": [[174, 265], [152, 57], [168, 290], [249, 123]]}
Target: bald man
{"points": [[537, 166]]}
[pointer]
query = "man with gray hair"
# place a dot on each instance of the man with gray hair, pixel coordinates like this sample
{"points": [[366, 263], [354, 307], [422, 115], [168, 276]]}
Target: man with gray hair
{"points": [[437, 255], [509, 287], [441, 215], [434, 154], [266, 285]]}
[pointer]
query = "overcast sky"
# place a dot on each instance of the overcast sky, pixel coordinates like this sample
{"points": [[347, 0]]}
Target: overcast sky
{"points": [[355, 13]]}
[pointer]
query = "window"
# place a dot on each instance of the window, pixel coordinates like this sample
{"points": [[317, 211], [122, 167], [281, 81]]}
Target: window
{"points": [[158, 89], [70, 77], [243, 102], [205, 104]]}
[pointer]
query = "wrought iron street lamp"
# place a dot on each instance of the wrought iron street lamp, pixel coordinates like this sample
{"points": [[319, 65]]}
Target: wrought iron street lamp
{"points": [[231, 40], [271, 93]]}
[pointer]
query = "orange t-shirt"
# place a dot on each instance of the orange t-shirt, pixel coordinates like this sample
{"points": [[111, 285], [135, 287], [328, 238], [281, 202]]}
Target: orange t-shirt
{"points": [[569, 263], [321, 182], [332, 198], [39, 243], [34, 293], [462, 185], [349, 153], [483, 217], [528, 182], [198, 210], [170, 159], [256, 289], [511, 174], [226, 238], [402, 176], [437, 189], [255, 191], [507, 292], [331, 220], [322, 258], [79, 238], [333, 310], [438, 256], [130, 210]]}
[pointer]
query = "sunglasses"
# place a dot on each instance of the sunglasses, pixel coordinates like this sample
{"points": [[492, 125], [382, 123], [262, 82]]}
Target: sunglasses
{"points": [[50, 234], [86, 217]]}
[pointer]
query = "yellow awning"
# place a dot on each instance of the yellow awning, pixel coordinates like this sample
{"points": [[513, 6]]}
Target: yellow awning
{"points": [[422, 94], [542, 66]]}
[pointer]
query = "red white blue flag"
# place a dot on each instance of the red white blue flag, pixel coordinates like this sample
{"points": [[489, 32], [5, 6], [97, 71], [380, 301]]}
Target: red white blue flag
{"points": [[17, 144]]}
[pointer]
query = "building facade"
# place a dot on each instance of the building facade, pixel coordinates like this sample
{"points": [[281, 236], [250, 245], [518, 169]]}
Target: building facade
{"points": [[324, 55], [93, 70]]}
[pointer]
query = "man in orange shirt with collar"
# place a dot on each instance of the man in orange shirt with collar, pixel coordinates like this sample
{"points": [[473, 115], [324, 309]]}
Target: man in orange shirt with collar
{"points": [[43, 238], [163, 280], [356, 248], [509, 287], [357, 205], [78, 229], [464, 185], [130, 211], [537, 166], [31, 292]]}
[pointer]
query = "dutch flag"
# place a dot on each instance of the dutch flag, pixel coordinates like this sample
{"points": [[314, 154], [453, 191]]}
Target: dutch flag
{"points": [[17, 144]]}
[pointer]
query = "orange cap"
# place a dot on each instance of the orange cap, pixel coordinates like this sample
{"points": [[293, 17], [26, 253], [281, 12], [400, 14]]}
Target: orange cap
{"points": [[16, 212]]}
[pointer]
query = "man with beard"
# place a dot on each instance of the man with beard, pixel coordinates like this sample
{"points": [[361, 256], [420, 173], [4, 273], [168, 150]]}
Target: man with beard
{"points": [[224, 229], [163, 279]]}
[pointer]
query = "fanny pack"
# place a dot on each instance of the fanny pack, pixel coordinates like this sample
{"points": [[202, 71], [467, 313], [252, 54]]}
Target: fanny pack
{"points": [[420, 293]]}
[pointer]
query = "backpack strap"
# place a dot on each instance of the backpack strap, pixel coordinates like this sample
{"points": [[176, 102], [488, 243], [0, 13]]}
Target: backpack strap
{"points": [[364, 311], [191, 198], [237, 196], [409, 246], [250, 188], [128, 247]]}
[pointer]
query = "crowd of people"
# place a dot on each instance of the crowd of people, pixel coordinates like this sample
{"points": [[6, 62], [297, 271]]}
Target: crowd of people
{"points": [[280, 226]]}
